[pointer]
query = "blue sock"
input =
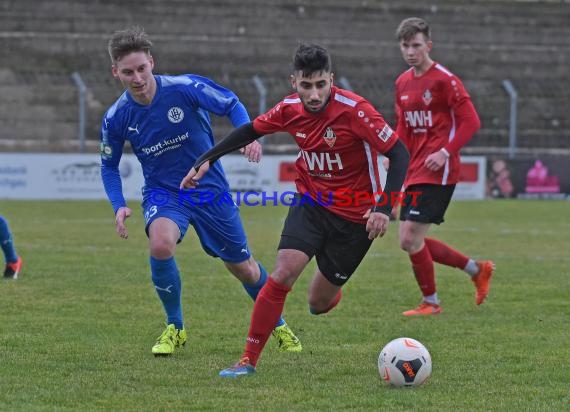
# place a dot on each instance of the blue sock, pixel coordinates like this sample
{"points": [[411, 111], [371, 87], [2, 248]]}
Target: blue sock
{"points": [[168, 286], [253, 290], [6, 242]]}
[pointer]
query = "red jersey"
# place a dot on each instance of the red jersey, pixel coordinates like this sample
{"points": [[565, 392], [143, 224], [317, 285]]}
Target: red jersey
{"points": [[434, 111], [339, 149]]}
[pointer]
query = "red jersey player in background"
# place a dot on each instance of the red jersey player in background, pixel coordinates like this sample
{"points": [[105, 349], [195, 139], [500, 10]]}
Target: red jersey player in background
{"points": [[436, 118], [339, 135]]}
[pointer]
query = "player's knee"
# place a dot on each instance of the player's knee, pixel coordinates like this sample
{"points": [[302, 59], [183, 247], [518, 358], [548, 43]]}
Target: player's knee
{"points": [[412, 246], [314, 311], [249, 273], [319, 310], [284, 276], [407, 243], [161, 249], [319, 306], [315, 305], [404, 244]]}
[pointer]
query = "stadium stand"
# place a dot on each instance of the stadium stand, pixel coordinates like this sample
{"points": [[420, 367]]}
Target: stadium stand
{"points": [[484, 42]]}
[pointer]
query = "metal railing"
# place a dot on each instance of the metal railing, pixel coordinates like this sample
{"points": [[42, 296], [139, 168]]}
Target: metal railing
{"points": [[513, 95], [82, 94]]}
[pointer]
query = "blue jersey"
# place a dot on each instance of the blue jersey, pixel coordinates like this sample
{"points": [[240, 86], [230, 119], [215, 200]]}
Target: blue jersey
{"points": [[168, 135]]}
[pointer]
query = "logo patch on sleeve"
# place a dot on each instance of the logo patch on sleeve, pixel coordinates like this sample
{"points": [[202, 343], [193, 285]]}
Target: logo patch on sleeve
{"points": [[385, 133], [106, 150]]}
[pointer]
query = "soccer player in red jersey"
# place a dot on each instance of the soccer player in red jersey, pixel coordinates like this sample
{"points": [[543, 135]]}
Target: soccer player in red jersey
{"points": [[339, 135], [436, 118]]}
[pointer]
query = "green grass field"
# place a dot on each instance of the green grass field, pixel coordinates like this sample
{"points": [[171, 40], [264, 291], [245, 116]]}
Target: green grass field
{"points": [[77, 328]]}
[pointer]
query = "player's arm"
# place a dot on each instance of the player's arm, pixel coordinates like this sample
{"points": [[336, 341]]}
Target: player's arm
{"points": [[399, 158], [113, 187], [221, 101], [238, 116], [236, 139], [467, 125], [400, 121], [111, 152], [386, 142], [383, 139], [378, 217], [400, 126], [466, 120]]}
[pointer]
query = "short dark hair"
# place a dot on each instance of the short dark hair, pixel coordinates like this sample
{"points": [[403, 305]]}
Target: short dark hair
{"points": [[311, 58], [123, 42], [408, 28]]}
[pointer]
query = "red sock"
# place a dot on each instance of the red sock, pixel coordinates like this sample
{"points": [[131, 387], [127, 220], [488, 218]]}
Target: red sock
{"points": [[266, 311], [446, 255], [422, 264]]}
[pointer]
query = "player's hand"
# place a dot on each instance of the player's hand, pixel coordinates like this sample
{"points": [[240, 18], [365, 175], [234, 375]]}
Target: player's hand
{"points": [[122, 214], [190, 181], [386, 163], [377, 224], [252, 151], [435, 161]]}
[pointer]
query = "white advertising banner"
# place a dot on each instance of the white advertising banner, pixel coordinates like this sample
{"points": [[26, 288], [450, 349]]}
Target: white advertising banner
{"points": [[264, 176], [77, 176], [472, 178], [62, 176]]}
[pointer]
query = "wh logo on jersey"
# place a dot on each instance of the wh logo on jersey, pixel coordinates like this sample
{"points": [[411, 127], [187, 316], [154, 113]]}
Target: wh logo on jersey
{"points": [[322, 161], [175, 114], [329, 137], [419, 118]]}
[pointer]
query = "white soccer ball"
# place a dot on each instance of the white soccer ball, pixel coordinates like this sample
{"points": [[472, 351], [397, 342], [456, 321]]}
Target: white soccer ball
{"points": [[404, 362]]}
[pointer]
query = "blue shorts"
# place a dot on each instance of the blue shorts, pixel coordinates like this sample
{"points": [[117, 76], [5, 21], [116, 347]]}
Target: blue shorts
{"points": [[217, 223]]}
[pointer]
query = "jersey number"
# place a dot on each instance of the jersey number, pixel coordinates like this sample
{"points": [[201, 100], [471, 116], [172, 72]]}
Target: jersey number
{"points": [[150, 212]]}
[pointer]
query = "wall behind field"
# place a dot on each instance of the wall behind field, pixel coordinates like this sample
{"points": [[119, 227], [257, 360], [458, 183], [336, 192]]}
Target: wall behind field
{"points": [[484, 42]]}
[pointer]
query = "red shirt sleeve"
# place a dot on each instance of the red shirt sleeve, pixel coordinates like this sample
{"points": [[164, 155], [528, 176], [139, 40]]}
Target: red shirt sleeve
{"points": [[271, 121], [400, 122], [466, 117], [371, 126]]}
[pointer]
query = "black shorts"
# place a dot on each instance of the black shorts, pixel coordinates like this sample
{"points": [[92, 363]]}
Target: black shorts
{"points": [[338, 244], [426, 203]]}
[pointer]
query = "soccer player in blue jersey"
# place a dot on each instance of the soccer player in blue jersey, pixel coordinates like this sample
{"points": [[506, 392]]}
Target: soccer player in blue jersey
{"points": [[167, 122], [13, 261]]}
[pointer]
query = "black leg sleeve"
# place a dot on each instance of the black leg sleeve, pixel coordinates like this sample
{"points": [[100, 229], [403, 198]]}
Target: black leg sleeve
{"points": [[399, 159], [236, 139]]}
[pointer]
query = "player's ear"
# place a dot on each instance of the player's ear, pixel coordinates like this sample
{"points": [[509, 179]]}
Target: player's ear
{"points": [[332, 79], [429, 45], [293, 82], [115, 71], [151, 62]]}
